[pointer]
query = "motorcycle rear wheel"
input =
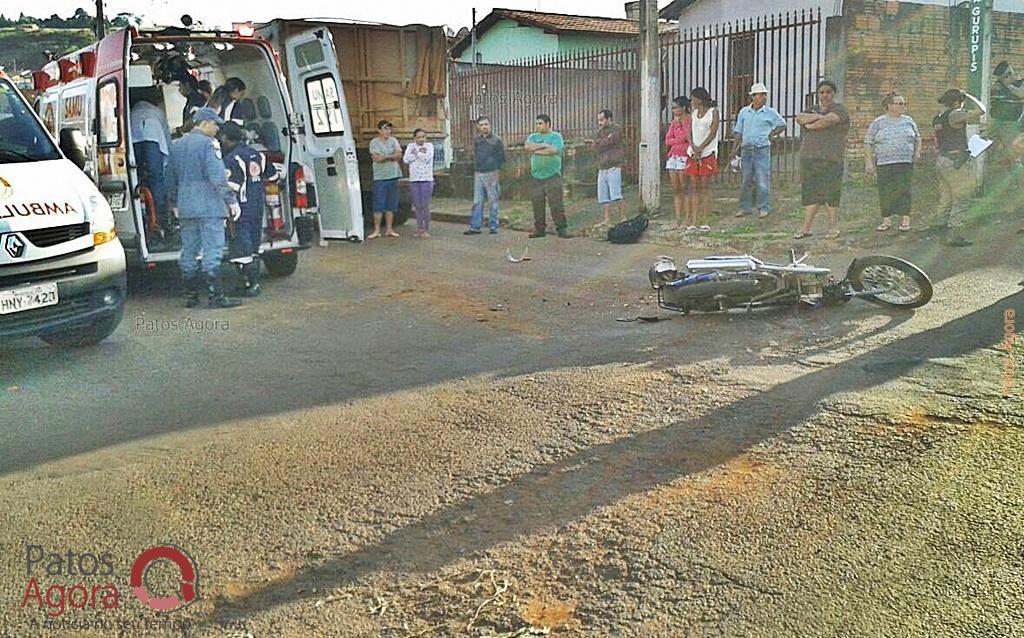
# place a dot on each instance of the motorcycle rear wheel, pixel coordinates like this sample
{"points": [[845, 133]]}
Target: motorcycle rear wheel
{"points": [[907, 285]]}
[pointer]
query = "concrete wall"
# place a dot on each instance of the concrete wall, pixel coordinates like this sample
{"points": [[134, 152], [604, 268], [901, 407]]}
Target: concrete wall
{"points": [[585, 42], [709, 12], [915, 53], [506, 41]]}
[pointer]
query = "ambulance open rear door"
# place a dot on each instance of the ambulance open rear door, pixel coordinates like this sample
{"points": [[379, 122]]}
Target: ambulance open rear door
{"points": [[319, 102]]}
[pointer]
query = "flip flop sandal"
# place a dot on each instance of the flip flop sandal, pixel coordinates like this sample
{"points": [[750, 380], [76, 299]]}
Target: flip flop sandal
{"points": [[884, 227], [832, 234], [904, 228], [803, 235]]}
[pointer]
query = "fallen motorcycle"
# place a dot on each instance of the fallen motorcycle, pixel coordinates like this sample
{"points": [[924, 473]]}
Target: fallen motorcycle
{"points": [[718, 283]]}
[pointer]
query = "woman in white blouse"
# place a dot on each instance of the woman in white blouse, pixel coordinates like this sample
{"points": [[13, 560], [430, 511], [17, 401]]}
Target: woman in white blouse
{"points": [[703, 162], [420, 157]]}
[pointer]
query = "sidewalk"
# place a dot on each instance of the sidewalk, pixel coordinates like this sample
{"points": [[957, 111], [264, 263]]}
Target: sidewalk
{"points": [[858, 216]]}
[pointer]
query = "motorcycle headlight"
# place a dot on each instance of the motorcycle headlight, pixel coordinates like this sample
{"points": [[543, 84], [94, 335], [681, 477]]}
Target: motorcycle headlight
{"points": [[662, 272], [101, 220]]}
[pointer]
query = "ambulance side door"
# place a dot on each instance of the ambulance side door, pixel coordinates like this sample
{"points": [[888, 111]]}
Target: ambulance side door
{"points": [[319, 102], [112, 149]]}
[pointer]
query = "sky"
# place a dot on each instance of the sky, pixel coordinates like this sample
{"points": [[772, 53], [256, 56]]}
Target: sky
{"points": [[453, 13]]}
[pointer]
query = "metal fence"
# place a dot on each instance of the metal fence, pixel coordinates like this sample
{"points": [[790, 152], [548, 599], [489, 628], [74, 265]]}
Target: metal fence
{"points": [[570, 87], [785, 51]]}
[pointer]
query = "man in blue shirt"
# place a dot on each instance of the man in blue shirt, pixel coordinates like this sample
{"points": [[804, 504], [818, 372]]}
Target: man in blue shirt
{"points": [[756, 126], [151, 141], [489, 158], [197, 188]]}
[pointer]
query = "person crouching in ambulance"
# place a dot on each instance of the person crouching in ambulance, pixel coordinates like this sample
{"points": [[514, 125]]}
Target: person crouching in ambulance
{"points": [[248, 170]]}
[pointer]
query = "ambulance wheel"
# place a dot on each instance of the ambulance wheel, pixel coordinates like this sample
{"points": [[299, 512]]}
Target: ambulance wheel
{"points": [[279, 265], [85, 336]]}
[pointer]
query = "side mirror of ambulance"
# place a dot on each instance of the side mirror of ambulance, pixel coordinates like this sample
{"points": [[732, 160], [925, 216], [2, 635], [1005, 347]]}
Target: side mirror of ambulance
{"points": [[72, 144]]}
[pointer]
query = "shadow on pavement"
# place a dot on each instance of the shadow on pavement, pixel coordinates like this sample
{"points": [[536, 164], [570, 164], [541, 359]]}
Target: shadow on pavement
{"points": [[556, 494]]}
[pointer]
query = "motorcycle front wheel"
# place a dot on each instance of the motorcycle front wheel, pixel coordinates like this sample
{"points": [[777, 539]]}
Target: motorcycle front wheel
{"points": [[904, 284]]}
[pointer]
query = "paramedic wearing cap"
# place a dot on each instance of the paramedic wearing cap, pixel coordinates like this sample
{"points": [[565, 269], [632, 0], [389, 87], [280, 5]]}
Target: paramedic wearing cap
{"points": [[756, 126], [248, 169], [197, 186]]}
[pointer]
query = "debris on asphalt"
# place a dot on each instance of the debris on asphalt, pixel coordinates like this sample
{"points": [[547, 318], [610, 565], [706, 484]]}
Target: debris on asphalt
{"points": [[644, 318], [520, 259], [522, 633]]}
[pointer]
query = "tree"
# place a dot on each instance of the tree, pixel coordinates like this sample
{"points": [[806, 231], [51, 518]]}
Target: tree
{"points": [[80, 19], [125, 19]]}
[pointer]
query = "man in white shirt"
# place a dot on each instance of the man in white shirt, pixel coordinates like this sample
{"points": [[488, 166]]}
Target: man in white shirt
{"points": [[151, 140]]}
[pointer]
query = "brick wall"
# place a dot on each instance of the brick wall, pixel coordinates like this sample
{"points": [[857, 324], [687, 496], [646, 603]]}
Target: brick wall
{"points": [[917, 50]]}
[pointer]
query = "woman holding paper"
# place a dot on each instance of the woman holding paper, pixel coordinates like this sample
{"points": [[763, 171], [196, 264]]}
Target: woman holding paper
{"points": [[956, 182]]}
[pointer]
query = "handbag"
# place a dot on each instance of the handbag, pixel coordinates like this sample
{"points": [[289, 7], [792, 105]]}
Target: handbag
{"points": [[629, 231]]}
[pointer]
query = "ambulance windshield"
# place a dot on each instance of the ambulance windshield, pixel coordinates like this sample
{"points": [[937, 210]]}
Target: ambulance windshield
{"points": [[22, 139]]}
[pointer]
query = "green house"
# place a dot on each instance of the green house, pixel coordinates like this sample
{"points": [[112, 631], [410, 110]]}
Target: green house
{"points": [[508, 34]]}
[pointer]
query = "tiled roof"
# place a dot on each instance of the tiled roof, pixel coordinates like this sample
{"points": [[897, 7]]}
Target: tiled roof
{"points": [[559, 23], [562, 23]]}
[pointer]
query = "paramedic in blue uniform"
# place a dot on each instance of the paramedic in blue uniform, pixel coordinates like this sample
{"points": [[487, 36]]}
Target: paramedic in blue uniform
{"points": [[248, 171], [197, 187]]}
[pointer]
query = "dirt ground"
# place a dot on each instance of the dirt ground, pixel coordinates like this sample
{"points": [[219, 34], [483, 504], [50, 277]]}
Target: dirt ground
{"points": [[419, 438]]}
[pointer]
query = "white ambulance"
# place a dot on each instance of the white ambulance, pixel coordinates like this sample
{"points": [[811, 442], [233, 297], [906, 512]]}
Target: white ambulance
{"points": [[62, 268], [90, 95]]}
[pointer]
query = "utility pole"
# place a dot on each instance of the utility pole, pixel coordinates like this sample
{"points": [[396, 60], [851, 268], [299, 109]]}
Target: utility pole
{"points": [[472, 39], [650, 107], [101, 22]]}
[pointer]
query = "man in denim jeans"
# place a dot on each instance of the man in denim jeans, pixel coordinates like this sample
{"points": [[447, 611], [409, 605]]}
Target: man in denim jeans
{"points": [[756, 126], [489, 157]]}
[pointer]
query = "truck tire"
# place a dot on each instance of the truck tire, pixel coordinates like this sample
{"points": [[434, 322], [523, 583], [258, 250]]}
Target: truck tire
{"points": [[85, 336], [279, 265]]}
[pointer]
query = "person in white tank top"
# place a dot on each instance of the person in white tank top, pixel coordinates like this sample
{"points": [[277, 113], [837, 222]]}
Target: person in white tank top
{"points": [[703, 164]]}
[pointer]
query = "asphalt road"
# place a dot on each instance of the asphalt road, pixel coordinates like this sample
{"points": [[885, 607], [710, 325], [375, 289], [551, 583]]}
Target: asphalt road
{"points": [[420, 438], [353, 322]]}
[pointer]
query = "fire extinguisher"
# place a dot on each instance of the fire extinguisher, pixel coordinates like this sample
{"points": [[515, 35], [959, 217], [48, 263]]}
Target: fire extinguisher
{"points": [[152, 223], [275, 217]]}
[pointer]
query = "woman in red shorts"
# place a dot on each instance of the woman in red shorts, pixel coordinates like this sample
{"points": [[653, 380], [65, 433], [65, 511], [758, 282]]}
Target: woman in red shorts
{"points": [[703, 162]]}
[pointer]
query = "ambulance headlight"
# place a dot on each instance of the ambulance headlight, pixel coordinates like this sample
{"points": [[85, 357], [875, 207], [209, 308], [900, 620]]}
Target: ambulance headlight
{"points": [[101, 220]]}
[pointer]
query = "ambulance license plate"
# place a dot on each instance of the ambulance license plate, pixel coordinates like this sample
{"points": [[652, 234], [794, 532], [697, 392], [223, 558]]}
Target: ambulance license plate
{"points": [[28, 298]]}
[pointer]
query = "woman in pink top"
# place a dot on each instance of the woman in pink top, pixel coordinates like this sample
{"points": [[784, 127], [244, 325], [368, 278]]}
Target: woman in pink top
{"points": [[678, 142]]}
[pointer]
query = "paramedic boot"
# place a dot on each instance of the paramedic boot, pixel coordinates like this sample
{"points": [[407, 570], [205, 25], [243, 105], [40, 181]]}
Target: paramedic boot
{"points": [[193, 285], [216, 293], [251, 271]]}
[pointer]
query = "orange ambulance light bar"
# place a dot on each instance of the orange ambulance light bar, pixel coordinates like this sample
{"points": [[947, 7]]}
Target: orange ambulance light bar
{"points": [[68, 69], [87, 63], [41, 80]]}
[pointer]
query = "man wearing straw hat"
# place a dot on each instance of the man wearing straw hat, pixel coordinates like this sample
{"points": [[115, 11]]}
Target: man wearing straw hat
{"points": [[756, 126]]}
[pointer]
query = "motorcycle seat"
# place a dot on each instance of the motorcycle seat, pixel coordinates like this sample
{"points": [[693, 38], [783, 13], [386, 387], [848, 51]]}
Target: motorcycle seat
{"points": [[722, 262]]}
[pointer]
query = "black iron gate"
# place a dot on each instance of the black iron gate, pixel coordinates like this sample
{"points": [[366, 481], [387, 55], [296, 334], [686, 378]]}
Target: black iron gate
{"points": [[785, 51]]}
